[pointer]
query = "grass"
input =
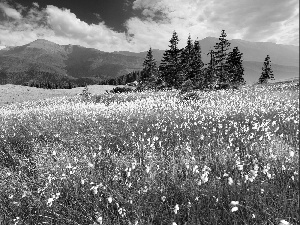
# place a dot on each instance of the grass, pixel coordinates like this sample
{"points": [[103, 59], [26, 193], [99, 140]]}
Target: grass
{"points": [[230, 157], [11, 94]]}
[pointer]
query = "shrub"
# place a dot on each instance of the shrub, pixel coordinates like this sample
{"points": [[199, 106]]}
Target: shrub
{"points": [[190, 96], [121, 90], [187, 86]]}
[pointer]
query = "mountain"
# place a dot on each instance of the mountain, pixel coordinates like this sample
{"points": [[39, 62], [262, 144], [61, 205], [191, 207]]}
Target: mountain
{"points": [[45, 60]]}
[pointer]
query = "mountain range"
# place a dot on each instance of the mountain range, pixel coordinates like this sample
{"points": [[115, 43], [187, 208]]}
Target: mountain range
{"points": [[45, 60]]}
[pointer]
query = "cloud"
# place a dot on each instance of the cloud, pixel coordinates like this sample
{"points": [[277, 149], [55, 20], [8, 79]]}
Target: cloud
{"points": [[254, 20], [63, 27], [10, 12], [269, 20], [36, 4], [66, 25]]}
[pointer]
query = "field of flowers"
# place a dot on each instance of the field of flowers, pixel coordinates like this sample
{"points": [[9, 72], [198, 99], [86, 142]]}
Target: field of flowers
{"points": [[228, 157]]}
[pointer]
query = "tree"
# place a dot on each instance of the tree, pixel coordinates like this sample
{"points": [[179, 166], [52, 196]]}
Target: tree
{"points": [[267, 72], [186, 58], [220, 56], [191, 61], [170, 67], [210, 73], [234, 67], [197, 65], [149, 71]]}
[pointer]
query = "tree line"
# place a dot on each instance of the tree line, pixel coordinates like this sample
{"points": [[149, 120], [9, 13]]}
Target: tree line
{"points": [[180, 66]]}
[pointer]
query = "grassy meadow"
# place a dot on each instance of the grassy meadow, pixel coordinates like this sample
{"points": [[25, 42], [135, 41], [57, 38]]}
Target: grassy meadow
{"points": [[10, 93], [226, 157]]}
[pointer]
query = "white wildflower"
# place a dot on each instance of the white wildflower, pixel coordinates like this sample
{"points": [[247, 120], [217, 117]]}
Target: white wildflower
{"points": [[234, 209], [176, 208], [109, 199]]}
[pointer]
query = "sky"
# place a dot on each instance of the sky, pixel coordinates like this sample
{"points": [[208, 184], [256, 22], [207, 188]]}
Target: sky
{"points": [[137, 25]]}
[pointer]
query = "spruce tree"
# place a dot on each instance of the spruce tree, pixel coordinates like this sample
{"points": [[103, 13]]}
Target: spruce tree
{"points": [[210, 72], [267, 72], [170, 67], [234, 67], [186, 60], [221, 49], [149, 68], [197, 65]]}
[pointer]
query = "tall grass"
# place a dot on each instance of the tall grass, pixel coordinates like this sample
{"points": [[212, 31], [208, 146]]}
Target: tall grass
{"points": [[229, 157]]}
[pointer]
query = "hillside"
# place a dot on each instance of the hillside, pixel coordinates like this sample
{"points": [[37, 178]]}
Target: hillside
{"points": [[45, 60]]}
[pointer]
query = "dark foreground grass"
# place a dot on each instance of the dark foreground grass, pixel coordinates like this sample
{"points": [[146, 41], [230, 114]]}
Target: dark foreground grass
{"points": [[151, 158]]}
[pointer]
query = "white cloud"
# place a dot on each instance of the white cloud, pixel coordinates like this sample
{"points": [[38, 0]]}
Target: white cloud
{"points": [[36, 4], [255, 20], [66, 25], [10, 12], [270, 20], [63, 27]]}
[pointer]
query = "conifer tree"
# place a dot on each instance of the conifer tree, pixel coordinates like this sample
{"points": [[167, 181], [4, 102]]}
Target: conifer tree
{"points": [[187, 59], [197, 65], [267, 72], [221, 49], [234, 67], [210, 72], [170, 67], [149, 68]]}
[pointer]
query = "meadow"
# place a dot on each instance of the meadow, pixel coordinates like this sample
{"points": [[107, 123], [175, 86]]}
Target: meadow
{"points": [[227, 157]]}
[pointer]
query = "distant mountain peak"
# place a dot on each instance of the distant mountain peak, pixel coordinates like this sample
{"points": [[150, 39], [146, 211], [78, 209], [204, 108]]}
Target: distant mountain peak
{"points": [[41, 42]]}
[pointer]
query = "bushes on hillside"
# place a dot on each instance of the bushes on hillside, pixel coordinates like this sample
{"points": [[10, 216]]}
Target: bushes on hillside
{"points": [[121, 90]]}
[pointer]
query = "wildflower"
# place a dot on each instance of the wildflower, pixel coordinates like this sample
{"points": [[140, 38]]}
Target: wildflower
{"points": [[69, 166], [230, 181], [109, 199], [122, 212], [204, 177], [147, 169], [284, 222], [195, 169], [94, 189], [50, 201], [292, 153], [176, 208], [174, 223], [234, 203], [234, 209], [225, 175], [99, 219], [240, 167], [163, 198], [63, 176]]}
